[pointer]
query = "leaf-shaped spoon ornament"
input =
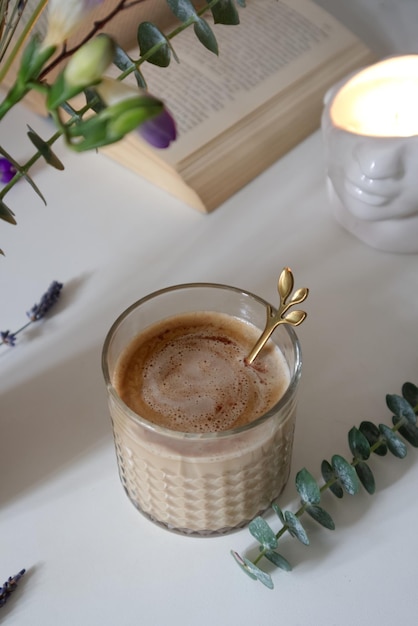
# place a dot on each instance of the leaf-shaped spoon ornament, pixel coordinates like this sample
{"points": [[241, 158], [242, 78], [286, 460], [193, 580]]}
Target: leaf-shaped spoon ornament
{"points": [[281, 316]]}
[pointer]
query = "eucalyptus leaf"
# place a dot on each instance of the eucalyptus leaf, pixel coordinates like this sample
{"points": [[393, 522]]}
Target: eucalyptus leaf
{"points": [[93, 100], [182, 9], [34, 187], [205, 35], [394, 443], [241, 563], [358, 443], [45, 150], [123, 62], [366, 477], [225, 12], [373, 435], [329, 476], [263, 577], [261, 530], [410, 393], [278, 560], [6, 214], [307, 487], [278, 512], [295, 527], [321, 516], [407, 430], [401, 408], [149, 36], [346, 473]]}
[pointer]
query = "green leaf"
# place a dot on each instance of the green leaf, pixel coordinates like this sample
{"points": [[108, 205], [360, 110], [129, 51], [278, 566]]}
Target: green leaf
{"points": [[278, 512], [33, 59], [241, 563], [407, 430], [358, 443], [410, 393], [278, 560], [295, 527], [148, 36], [205, 35], [366, 477], [307, 487], [263, 577], [6, 214], [401, 408], [252, 570], [395, 445], [45, 150], [225, 12], [34, 187], [372, 434], [124, 62], [346, 473], [182, 9], [321, 516], [260, 529], [329, 475]]}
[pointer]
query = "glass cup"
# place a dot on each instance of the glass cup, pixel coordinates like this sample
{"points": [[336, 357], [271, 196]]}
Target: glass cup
{"points": [[202, 483]]}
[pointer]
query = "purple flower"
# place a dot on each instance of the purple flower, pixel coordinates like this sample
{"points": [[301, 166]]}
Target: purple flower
{"points": [[7, 337], [7, 170], [38, 311], [9, 586], [159, 131]]}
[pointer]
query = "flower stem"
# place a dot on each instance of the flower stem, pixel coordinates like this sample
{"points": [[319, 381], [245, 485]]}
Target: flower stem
{"points": [[22, 38]]}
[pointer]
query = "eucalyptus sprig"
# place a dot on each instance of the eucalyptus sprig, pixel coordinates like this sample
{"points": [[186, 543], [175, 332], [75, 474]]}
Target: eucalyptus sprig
{"points": [[105, 110], [340, 476]]}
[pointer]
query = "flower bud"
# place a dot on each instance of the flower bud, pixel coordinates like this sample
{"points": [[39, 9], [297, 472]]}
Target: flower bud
{"points": [[160, 130], [7, 170], [63, 18], [87, 65]]}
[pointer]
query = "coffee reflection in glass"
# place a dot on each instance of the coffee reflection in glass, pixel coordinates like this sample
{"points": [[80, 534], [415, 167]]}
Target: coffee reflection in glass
{"points": [[215, 452]]}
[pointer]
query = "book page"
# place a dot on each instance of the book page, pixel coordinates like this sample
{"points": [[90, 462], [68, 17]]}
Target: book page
{"points": [[276, 43]]}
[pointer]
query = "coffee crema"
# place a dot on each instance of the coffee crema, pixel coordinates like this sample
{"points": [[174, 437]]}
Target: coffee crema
{"points": [[188, 373]]}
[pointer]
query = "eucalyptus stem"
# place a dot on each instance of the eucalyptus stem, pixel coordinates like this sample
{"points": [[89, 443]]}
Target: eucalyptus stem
{"points": [[176, 31], [339, 476]]}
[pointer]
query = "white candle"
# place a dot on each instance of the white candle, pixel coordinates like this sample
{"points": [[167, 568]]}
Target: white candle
{"points": [[381, 100]]}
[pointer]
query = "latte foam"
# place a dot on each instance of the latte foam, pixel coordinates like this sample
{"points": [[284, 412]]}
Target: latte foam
{"points": [[188, 373]]}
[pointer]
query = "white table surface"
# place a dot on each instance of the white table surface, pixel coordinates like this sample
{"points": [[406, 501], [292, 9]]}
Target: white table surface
{"points": [[112, 238]]}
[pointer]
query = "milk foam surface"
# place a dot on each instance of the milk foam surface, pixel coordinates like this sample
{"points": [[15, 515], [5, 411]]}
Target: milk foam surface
{"points": [[188, 373]]}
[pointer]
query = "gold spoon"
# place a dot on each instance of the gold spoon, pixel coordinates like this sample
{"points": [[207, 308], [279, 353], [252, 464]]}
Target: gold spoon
{"points": [[294, 318]]}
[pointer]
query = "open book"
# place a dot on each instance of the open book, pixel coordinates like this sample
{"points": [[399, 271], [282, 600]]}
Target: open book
{"points": [[239, 112]]}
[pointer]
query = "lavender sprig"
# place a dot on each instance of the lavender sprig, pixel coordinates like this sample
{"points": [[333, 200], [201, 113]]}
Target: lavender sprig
{"points": [[9, 586], [36, 313]]}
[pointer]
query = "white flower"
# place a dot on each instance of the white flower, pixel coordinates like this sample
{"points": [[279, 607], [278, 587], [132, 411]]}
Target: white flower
{"points": [[87, 65], [63, 18], [113, 91]]}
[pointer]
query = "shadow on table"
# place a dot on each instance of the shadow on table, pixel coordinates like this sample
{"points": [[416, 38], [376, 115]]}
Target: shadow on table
{"points": [[50, 420]]}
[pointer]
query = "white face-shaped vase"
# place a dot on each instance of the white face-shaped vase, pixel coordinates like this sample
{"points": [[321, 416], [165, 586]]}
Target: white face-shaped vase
{"points": [[370, 133]]}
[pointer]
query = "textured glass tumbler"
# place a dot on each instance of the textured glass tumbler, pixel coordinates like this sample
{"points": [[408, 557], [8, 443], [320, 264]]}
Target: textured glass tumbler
{"points": [[201, 483]]}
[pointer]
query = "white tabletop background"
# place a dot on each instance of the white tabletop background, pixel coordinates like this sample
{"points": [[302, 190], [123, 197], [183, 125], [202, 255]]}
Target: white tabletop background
{"points": [[112, 238]]}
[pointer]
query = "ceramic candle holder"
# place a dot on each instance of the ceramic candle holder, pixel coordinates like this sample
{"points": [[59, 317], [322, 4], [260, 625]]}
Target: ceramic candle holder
{"points": [[370, 136]]}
